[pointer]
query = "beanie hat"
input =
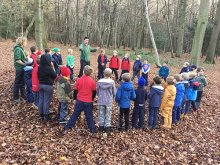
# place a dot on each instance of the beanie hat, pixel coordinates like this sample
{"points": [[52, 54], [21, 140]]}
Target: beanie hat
{"points": [[88, 70], [29, 61], [65, 71], [141, 81], [56, 50]]}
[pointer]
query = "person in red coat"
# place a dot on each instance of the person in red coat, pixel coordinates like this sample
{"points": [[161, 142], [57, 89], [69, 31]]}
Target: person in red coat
{"points": [[114, 64], [34, 54], [125, 65], [35, 82]]}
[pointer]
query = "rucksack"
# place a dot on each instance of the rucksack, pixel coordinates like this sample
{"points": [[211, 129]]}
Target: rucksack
{"points": [[195, 85]]}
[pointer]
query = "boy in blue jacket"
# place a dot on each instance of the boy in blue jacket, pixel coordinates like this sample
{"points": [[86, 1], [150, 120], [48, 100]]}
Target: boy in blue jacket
{"points": [[180, 90], [139, 104], [155, 98], [124, 95], [164, 71], [57, 60], [137, 68]]}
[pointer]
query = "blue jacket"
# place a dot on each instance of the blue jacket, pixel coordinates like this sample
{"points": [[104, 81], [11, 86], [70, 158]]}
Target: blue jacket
{"points": [[124, 94], [155, 96], [184, 69], [164, 71], [137, 65], [191, 94], [57, 60], [180, 90], [141, 96]]}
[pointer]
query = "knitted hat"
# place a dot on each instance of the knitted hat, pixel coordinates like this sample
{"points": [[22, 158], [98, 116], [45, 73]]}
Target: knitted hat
{"points": [[65, 71], [29, 61], [88, 70], [141, 81], [56, 50]]}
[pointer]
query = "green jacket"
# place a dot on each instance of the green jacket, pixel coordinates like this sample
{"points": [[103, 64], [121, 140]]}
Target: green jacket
{"points": [[64, 92], [85, 52], [19, 54], [202, 81], [70, 60]]}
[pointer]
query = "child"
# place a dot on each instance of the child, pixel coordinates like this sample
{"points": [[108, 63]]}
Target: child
{"points": [[191, 93], [70, 63], [125, 65], [164, 71], [64, 93], [180, 90], [114, 64], [35, 83], [185, 68], [102, 61], [106, 92], [28, 80], [155, 97], [168, 102], [192, 67], [139, 104], [145, 70], [57, 60], [124, 94], [185, 82], [137, 68], [84, 93], [34, 54], [202, 82]]}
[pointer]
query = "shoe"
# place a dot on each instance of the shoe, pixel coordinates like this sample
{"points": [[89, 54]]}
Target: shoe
{"points": [[108, 130], [16, 101], [47, 118], [101, 129], [120, 129], [150, 127], [182, 116], [63, 121]]}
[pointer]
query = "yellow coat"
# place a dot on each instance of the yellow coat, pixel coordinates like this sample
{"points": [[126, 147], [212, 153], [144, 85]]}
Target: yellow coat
{"points": [[168, 97]]}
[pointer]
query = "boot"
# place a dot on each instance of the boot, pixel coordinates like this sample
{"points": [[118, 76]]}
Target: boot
{"points": [[108, 130], [47, 118], [101, 128]]}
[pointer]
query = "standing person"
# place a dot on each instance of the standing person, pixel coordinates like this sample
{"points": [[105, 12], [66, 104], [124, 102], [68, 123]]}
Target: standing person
{"points": [[19, 64], [34, 54], [125, 65], [155, 98], [145, 71], [106, 93], [57, 60], [84, 93], [164, 71], [102, 61], [85, 50], [168, 102], [124, 95], [139, 104], [46, 75], [185, 68], [114, 64], [137, 68], [70, 63]]}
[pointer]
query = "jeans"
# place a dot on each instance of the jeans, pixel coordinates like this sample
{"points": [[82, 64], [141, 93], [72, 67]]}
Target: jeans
{"points": [[176, 114], [101, 72], [83, 63], [135, 73], [153, 116], [45, 97], [138, 113], [28, 83], [187, 106], [36, 98], [88, 111], [63, 110], [115, 71], [71, 72], [198, 99], [122, 72], [145, 76], [19, 85], [105, 112], [124, 112]]}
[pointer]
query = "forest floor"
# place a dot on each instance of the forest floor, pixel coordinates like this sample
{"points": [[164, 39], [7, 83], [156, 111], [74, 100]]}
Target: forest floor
{"points": [[25, 139]]}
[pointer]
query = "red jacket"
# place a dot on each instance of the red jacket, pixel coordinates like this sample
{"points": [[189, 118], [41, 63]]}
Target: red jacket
{"points": [[35, 80], [34, 57], [125, 64], [114, 63]]}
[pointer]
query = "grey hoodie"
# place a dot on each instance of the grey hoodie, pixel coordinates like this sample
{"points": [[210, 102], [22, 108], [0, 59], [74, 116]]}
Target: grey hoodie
{"points": [[106, 91]]}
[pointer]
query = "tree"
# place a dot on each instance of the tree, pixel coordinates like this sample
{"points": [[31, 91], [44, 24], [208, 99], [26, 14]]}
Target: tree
{"points": [[210, 54], [200, 31], [151, 34], [180, 27]]}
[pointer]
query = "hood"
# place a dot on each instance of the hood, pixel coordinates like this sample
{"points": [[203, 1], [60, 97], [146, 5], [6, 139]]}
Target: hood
{"points": [[17, 46], [158, 89], [45, 60], [180, 87], [171, 89], [61, 80], [105, 83], [127, 86]]}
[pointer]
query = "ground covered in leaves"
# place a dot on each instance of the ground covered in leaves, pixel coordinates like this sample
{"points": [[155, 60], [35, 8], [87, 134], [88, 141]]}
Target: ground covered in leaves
{"points": [[25, 139]]}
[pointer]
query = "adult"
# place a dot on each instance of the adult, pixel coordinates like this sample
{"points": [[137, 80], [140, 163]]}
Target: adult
{"points": [[85, 50], [19, 64]]}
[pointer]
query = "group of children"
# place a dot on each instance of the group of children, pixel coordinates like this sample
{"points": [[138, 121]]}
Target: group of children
{"points": [[172, 99]]}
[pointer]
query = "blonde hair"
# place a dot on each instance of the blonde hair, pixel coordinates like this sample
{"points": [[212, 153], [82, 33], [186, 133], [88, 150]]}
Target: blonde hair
{"points": [[126, 77], [107, 72], [88, 70], [178, 77], [70, 51], [185, 64], [115, 52], [170, 80], [185, 76], [21, 40], [192, 74], [102, 50]]}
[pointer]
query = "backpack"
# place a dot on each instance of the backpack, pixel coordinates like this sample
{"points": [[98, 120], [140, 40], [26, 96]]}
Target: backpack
{"points": [[195, 85]]}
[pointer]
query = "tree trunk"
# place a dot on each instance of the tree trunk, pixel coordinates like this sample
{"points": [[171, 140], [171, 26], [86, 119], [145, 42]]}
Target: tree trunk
{"points": [[85, 18], [29, 27], [181, 26], [210, 54], [151, 34], [200, 31], [77, 22]]}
